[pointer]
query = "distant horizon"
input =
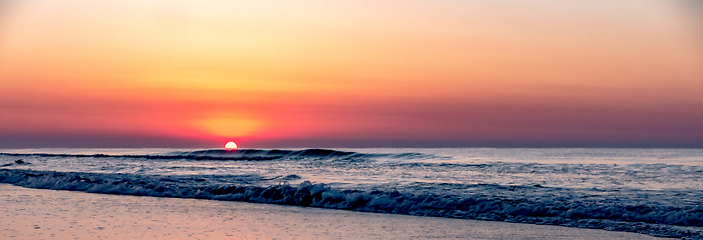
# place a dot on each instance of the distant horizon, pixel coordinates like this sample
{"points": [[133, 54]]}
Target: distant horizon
{"points": [[325, 143]]}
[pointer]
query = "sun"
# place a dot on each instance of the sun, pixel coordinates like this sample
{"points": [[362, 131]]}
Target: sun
{"points": [[230, 145]]}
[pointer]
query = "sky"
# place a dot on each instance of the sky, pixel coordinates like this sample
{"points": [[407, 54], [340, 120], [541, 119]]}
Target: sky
{"points": [[415, 73]]}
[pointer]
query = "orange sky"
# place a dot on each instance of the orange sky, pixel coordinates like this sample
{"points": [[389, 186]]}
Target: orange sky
{"points": [[170, 73]]}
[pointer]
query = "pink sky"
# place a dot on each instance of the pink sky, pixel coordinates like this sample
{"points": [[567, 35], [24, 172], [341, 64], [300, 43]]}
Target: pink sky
{"points": [[351, 73]]}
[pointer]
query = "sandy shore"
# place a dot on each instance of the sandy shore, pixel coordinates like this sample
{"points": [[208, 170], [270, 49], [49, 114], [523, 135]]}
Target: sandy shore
{"points": [[47, 214]]}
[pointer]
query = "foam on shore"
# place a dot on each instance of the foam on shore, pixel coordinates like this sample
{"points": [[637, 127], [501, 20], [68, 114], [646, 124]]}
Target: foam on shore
{"points": [[668, 221]]}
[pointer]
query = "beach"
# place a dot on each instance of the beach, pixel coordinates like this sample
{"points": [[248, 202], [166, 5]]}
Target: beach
{"points": [[50, 214], [351, 119]]}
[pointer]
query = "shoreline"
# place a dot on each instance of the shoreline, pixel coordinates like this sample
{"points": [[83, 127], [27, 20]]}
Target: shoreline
{"points": [[40, 213]]}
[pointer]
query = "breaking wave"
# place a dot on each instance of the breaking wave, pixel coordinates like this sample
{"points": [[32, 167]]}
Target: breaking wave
{"points": [[651, 219], [225, 155], [656, 192]]}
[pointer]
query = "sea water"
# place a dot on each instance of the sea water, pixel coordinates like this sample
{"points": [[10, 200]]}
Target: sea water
{"points": [[652, 191]]}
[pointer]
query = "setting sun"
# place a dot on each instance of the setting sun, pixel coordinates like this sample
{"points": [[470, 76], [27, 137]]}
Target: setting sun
{"points": [[571, 113], [230, 145]]}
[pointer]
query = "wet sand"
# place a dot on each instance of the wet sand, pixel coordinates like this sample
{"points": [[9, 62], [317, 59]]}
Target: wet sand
{"points": [[48, 214]]}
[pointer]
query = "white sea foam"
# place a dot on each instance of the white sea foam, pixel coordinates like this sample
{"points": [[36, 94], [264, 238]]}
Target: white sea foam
{"points": [[660, 194]]}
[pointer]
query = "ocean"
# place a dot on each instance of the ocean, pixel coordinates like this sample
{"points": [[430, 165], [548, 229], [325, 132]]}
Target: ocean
{"points": [[658, 192]]}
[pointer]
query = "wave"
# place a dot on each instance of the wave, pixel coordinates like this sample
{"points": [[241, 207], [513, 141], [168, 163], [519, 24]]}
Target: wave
{"points": [[651, 219], [241, 155], [273, 153], [216, 154]]}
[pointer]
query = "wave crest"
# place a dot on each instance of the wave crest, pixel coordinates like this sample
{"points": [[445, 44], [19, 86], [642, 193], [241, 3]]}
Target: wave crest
{"points": [[241, 155], [648, 219], [216, 154]]}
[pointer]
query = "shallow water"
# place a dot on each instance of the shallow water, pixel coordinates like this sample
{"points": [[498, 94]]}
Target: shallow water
{"points": [[42, 214], [653, 191]]}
